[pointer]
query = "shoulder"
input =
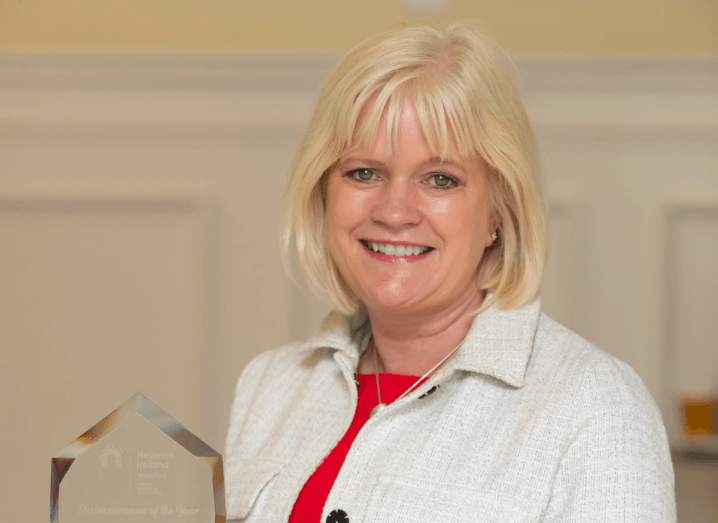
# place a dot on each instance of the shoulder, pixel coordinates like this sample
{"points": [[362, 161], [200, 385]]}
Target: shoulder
{"points": [[273, 387], [283, 357], [318, 362], [616, 455], [609, 403], [279, 368], [603, 381]]}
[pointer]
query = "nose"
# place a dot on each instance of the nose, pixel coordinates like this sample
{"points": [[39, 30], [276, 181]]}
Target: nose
{"points": [[396, 205]]}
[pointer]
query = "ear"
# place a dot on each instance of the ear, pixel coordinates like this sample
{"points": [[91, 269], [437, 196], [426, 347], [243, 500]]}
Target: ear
{"points": [[494, 226]]}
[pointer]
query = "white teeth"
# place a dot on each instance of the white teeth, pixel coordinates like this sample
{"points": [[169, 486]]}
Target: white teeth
{"points": [[397, 250]]}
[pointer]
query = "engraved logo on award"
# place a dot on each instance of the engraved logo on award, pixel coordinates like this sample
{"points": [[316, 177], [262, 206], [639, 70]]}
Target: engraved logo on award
{"points": [[137, 464]]}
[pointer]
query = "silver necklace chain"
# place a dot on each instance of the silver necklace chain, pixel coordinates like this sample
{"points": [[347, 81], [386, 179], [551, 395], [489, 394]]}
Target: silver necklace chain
{"points": [[381, 406]]}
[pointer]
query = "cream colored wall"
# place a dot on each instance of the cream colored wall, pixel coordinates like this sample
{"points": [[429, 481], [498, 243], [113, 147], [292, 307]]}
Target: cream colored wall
{"points": [[140, 196], [280, 25], [140, 208]]}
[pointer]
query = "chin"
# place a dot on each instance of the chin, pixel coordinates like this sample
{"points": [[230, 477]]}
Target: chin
{"points": [[392, 302]]}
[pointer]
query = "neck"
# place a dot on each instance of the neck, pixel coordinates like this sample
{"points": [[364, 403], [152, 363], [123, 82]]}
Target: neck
{"points": [[413, 343]]}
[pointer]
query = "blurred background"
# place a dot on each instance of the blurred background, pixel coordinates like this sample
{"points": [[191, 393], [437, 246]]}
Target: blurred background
{"points": [[143, 152]]}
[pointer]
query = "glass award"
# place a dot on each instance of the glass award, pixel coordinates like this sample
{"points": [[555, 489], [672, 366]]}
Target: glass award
{"points": [[137, 465]]}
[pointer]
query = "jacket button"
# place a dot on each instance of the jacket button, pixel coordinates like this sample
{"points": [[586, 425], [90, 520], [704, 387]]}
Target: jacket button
{"points": [[337, 516]]}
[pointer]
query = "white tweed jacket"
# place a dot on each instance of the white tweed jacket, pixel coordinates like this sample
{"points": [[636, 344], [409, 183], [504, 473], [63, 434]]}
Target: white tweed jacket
{"points": [[528, 423]]}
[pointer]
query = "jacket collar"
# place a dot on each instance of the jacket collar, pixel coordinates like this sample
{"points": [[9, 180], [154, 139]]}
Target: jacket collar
{"points": [[348, 334], [499, 343]]}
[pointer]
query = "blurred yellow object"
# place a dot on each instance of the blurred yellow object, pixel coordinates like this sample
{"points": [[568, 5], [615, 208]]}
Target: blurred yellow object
{"points": [[634, 26], [700, 415]]}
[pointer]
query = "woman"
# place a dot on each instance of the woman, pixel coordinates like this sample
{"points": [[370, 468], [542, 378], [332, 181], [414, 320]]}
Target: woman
{"points": [[437, 390]]}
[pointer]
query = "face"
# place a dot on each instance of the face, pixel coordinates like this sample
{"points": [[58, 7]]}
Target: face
{"points": [[406, 230]]}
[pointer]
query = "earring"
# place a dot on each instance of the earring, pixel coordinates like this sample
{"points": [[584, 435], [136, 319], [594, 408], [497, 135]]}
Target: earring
{"points": [[494, 236]]}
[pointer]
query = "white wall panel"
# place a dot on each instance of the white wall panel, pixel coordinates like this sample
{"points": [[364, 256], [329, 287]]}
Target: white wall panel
{"points": [[691, 310], [101, 299], [91, 147], [565, 289]]}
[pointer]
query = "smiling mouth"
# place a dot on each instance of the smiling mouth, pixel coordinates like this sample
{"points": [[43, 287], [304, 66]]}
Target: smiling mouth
{"points": [[389, 249]]}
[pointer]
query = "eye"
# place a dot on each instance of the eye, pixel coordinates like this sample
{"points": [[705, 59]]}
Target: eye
{"points": [[362, 175], [441, 181]]}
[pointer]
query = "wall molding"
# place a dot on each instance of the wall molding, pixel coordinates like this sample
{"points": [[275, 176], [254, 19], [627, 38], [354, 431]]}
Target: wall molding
{"points": [[668, 73], [143, 205], [164, 71], [672, 216], [671, 73], [654, 99]]}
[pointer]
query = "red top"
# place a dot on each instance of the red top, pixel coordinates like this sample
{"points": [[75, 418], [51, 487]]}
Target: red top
{"points": [[309, 504]]}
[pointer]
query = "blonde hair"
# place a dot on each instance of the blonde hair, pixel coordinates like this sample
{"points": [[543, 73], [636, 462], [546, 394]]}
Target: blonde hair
{"points": [[461, 85]]}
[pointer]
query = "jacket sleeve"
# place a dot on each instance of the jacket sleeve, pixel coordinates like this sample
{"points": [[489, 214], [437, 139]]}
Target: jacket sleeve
{"points": [[244, 481], [617, 465]]}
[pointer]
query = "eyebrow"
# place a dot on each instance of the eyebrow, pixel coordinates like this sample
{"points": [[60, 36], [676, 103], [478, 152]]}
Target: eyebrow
{"points": [[371, 161], [360, 159], [437, 159]]}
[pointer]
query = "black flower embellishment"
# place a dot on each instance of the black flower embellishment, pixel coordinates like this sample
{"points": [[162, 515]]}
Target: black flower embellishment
{"points": [[430, 391], [337, 516]]}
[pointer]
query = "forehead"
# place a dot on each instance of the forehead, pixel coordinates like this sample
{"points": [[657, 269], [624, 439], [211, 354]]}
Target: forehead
{"points": [[384, 117], [398, 128]]}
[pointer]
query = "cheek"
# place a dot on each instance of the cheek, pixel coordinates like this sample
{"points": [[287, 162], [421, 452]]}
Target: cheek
{"points": [[345, 211], [440, 208], [333, 232], [346, 207], [334, 202], [465, 221], [468, 229]]}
